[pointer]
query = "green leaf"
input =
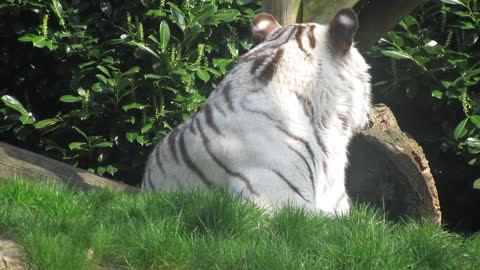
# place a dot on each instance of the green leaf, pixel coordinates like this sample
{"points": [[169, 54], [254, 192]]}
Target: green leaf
{"points": [[222, 63], [111, 169], [146, 128], [475, 119], [453, 2], [103, 144], [131, 71], [437, 94], [70, 98], [27, 38], [152, 76], [131, 136], [203, 74], [204, 12], [134, 105], [461, 129], [164, 35], [14, 104], [27, 119], [476, 184], [144, 48], [178, 16], [76, 145], [102, 78], [86, 64], [224, 15], [396, 54], [156, 13], [140, 139], [104, 70], [46, 122]]}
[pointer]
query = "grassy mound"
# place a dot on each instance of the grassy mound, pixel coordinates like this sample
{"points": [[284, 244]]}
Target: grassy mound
{"points": [[61, 229]]}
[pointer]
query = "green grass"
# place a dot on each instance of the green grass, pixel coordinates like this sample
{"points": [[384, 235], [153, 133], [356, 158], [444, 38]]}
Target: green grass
{"points": [[61, 229]]}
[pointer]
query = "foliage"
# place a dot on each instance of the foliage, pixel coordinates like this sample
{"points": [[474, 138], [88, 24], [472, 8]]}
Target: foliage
{"points": [[62, 229], [435, 67], [96, 83]]}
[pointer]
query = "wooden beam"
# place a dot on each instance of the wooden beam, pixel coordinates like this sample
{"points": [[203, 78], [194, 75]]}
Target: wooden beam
{"points": [[322, 11], [17, 162], [285, 11]]}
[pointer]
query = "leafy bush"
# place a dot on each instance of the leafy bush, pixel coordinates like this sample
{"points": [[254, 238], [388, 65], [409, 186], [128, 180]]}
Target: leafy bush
{"points": [[95, 83], [431, 80]]}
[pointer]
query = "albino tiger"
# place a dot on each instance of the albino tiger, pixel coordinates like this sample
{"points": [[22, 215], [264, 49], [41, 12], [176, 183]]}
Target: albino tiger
{"points": [[276, 129]]}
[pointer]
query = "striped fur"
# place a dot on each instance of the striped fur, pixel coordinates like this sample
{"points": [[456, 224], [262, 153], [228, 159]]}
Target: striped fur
{"points": [[276, 130]]}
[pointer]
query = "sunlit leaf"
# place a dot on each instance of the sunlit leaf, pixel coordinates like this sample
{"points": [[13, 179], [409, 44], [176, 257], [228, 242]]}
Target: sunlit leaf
{"points": [[14, 104], [164, 34], [396, 54], [461, 129]]}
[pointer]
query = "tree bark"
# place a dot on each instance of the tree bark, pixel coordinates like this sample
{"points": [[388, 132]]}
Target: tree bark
{"points": [[322, 11], [20, 163], [389, 170], [377, 17], [285, 11]]}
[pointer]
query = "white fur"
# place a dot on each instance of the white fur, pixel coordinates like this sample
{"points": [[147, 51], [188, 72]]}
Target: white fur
{"points": [[249, 143]]}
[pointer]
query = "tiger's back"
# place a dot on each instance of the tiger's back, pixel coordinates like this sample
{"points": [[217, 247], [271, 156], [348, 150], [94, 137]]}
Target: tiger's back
{"points": [[276, 129]]}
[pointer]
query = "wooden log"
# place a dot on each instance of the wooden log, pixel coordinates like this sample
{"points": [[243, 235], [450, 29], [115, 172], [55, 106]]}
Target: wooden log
{"points": [[322, 11], [388, 169], [285, 11], [377, 17], [16, 162]]}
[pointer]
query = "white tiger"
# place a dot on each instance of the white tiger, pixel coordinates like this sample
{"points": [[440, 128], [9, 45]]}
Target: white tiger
{"points": [[276, 129]]}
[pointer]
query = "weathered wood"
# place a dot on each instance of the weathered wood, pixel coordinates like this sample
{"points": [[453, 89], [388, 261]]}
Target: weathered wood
{"points": [[17, 162], [389, 169], [377, 17], [285, 11], [322, 11]]}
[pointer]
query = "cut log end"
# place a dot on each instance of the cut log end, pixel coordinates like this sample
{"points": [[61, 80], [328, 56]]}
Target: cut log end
{"points": [[388, 169]]}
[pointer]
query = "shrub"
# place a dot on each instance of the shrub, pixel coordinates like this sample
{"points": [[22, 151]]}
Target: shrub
{"points": [[96, 83], [430, 80]]}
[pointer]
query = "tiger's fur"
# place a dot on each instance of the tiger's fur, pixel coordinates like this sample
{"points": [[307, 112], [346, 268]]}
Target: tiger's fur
{"points": [[276, 129]]}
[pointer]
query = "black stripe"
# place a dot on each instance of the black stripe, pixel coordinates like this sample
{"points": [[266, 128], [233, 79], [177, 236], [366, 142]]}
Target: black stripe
{"points": [[189, 162], [311, 37], [156, 154], [345, 121], [219, 109], [309, 168], [209, 118], [206, 143], [290, 185], [307, 106], [192, 128], [258, 62], [147, 184], [247, 57], [320, 142], [298, 38], [263, 113], [226, 91], [271, 68], [279, 33], [172, 145], [299, 139]]}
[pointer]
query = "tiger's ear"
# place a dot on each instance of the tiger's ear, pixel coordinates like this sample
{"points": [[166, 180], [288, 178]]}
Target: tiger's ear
{"points": [[341, 30], [262, 25]]}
